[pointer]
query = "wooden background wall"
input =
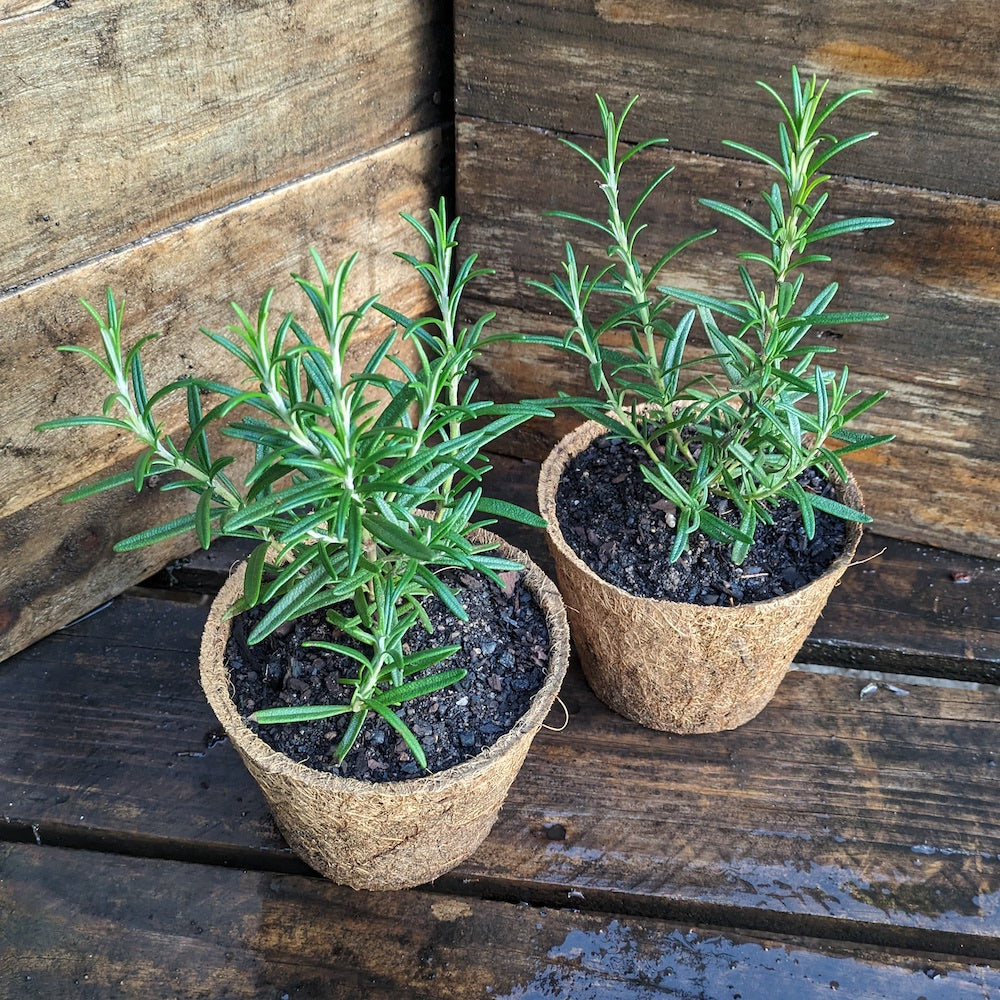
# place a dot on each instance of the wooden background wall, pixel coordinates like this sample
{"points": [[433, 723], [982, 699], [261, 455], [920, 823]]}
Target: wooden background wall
{"points": [[188, 153], [526, 71]]}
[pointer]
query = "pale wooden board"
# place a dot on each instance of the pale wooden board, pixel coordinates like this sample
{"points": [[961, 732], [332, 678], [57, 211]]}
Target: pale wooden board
{"points": [[58, 561], [932, 272], [77, 924], [119, 120], [932, 66], [872, 817]]}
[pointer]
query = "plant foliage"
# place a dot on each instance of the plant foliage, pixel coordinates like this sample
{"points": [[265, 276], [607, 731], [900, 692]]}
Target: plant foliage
{"points": [[767, 410], [364, 485]]}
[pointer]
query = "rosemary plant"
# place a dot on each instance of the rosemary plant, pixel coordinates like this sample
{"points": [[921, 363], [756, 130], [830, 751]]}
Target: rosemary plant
{"points": [[767, 411], [356, 506]]}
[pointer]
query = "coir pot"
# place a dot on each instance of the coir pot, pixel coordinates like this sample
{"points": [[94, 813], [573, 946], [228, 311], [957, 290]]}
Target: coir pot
{"points": [[669, 665], [389, 835]]}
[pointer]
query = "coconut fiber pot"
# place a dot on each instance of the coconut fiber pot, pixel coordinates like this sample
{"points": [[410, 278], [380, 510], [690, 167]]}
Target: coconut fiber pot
{"points": [[391, 835], [683, 668]]}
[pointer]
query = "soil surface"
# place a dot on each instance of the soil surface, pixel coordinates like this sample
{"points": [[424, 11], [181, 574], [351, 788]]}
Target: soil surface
{"points": [[505, 649], [622, 528]]}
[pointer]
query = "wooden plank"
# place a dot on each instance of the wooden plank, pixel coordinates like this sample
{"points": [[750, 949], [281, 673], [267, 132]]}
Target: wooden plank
{"points": [[912, 609], [59, 560], [186, 279], [84, 925], [120, 121], [936, 483], [865, 815], [871, 818], [140, 714], [932, 67]]}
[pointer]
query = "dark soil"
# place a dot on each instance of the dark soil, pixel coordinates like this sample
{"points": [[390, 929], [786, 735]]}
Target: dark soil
{"points": [[505, 647], [622, 528]]}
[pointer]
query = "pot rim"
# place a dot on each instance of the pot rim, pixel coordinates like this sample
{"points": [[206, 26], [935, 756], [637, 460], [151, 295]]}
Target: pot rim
{"points": [[214, 640], [573, 443]]}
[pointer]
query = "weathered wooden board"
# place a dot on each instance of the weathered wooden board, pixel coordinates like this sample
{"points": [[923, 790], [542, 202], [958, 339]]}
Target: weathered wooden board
{"points": [[933, 68], [912, 609], [57, 559], [87, 925], [186, 279], [871, 818], [861, 815], [933, 272], [120, 120]]}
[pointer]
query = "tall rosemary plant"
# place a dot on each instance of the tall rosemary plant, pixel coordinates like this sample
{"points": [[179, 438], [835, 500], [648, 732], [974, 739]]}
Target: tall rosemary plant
{"points": [[364, 486], [769, 410]]}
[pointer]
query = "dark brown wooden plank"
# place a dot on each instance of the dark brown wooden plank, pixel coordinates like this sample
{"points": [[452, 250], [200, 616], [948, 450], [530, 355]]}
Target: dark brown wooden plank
{"points": [[871, 815], [870, 818], [932, 67], [137, 712], [121, 121], [936, 483], [83, 925], [58, 561], [915, 610]]}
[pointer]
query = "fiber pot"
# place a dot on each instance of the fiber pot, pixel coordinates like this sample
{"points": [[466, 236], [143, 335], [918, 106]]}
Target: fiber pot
{"points": [[391, 835], [669, 665]]}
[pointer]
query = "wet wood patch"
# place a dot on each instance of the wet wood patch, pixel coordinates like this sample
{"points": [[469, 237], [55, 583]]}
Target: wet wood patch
{"points": [[81, 925]]}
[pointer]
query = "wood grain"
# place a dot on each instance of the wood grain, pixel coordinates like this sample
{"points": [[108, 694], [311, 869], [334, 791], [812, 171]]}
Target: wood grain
{"points": [[870, 818], [121, 120], [883, 814], [932, 68], [936, 483], [60, 563], [80, 925]]}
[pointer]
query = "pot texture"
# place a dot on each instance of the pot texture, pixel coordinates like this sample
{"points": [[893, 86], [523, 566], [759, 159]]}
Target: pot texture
{"points": [[392, 835], [683, 668]]}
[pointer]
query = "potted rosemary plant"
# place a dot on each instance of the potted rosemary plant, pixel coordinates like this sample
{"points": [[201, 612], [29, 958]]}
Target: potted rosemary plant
{"points": [[725, 513], [345, 656]]}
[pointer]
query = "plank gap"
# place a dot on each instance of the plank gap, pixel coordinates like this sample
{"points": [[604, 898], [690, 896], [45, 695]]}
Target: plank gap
{"points": [[728, 917]]}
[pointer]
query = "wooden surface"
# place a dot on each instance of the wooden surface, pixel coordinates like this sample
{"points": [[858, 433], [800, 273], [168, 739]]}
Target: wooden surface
{"points": [[124, 120], [841, 837], [81, 925], [526, 73], [188, 154], [931, 64]]}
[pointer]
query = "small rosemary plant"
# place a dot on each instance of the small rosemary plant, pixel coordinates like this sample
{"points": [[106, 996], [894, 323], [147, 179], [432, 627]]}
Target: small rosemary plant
{"points": [[747, 429], [356, 506]]}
